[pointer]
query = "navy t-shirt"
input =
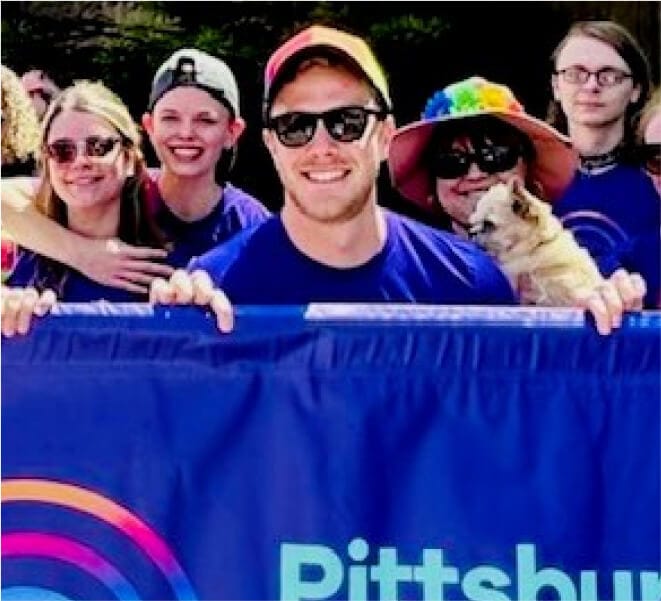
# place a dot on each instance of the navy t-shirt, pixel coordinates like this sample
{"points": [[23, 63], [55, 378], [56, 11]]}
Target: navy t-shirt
{"points": [[236, 211], [416, 264], [77, 287], [616, 216]]}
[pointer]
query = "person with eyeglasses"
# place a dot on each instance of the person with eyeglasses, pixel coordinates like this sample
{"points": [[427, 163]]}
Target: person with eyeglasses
{"points": [[600, 82], [94, 183], [327, 125], [194, 123], [474, 134]]}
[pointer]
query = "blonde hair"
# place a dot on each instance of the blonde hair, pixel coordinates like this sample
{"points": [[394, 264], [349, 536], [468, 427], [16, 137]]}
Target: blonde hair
{"points": [[649, 111], [20, 124], [136, 225]]}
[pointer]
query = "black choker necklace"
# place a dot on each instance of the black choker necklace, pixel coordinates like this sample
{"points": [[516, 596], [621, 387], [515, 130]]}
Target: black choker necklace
{"points": [[600, 162]]}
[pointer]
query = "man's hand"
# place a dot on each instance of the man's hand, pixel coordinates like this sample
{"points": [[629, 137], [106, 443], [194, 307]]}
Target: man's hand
{"points": [[19, 305], [115, 263], [623, 291], [195, 288]]}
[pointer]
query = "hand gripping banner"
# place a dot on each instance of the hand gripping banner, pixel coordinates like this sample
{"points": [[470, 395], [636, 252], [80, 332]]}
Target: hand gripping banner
{"points": [[332, 452]]}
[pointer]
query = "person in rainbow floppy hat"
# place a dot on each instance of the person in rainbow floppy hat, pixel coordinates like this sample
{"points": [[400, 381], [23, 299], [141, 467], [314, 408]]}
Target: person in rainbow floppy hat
{"points": [[472, 135]]}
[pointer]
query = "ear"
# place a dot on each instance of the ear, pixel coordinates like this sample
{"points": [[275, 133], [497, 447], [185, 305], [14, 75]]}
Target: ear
{"points": [[388, 128], [148, 123], [520, 204], [555, 88], [236, 127], [269, 141], [635, 94]]}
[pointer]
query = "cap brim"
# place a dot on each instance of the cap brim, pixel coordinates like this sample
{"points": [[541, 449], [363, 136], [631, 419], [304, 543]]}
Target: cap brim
{"points": [[553, 167]]}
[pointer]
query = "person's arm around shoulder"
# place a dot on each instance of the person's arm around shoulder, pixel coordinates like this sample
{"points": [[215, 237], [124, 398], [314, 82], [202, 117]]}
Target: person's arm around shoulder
{"points": [[108, 261]]}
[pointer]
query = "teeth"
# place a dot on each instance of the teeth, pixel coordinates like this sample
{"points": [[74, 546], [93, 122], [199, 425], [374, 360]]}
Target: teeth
{"points": [[325, 176], [186, 153]]}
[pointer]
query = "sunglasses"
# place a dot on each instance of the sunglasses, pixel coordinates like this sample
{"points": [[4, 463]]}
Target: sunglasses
{"points": [[344, 124], [95, 148], [651, 155], [489, 159]]}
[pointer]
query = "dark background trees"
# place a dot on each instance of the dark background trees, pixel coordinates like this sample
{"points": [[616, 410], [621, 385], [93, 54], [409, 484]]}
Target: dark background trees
{"points": [[422, 45]]}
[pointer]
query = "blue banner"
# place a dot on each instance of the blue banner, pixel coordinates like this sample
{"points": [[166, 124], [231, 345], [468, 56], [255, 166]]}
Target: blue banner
{"points": [[345, 452]]}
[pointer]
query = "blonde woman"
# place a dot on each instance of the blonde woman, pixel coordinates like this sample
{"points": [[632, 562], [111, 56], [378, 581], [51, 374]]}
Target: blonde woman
{"points": [[20, 127], [95, 184]]}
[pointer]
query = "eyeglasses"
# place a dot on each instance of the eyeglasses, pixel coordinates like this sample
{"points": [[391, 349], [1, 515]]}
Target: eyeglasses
{"points": [[489, 159], [606, 77], [344, 124], [94, 148], [651, 155]]}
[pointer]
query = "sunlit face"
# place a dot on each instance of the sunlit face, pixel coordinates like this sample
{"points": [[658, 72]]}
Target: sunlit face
{"points": [[653, 136], [189, 130], [458, 196], [87, 182], [591, 104], [328, 180]]}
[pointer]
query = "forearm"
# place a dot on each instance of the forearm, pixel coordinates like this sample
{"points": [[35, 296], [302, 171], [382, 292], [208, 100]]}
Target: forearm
{"points": [[32, 230]]}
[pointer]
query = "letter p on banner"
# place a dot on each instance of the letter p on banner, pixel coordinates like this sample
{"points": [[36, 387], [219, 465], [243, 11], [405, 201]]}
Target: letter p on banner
{"points": [[315, 560]]}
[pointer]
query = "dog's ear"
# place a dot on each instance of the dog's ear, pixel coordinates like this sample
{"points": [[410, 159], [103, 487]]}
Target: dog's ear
{"points": [[520, 204]]}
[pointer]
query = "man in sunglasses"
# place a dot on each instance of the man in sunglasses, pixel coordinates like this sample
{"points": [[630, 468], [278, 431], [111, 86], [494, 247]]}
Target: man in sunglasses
{"points": [[328, 125], [328, 129]]}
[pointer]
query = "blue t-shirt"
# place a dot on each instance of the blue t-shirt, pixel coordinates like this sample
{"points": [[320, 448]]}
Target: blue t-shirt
{"points": [[236, 211], [77, 288], [616, 216], [416, 264]]}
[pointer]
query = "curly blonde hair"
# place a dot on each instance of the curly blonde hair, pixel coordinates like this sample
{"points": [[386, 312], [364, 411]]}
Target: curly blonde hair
{"points": [[20, 125]]}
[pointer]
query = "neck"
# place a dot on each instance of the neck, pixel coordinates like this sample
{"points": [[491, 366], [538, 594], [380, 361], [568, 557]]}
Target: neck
{"points": [[189, 198], [348, 244], [95, 222], [593, 141]]}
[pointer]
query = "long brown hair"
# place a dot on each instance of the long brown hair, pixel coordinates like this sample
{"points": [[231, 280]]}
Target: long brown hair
{"points": [[620, 40], [136, 225]]}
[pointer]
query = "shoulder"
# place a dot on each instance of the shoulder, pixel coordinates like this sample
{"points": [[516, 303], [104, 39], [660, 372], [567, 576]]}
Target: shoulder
{"points": [[444, 255], [242, 202], [257, 240]]}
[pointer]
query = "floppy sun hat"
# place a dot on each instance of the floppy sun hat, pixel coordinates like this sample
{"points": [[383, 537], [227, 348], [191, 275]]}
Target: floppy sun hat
{"points": [[554, 163]]}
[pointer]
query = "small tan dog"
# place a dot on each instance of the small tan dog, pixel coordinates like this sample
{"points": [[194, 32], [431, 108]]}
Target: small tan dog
{"points": [[541, 258]]}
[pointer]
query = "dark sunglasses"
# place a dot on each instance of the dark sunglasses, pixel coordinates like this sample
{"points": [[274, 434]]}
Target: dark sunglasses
{"points": [[490, 159], [344, 124], [651, 155], [94, 147]]}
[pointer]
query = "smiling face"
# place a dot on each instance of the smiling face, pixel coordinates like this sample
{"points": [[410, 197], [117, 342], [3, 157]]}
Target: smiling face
{"points": [[590, 104], [86, 183], [189, 130], [327, 180], [458, 196]]}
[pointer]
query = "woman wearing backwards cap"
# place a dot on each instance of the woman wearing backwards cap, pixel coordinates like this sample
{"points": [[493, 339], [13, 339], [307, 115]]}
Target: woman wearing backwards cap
{"points": [[474, 134], [194, 123]]}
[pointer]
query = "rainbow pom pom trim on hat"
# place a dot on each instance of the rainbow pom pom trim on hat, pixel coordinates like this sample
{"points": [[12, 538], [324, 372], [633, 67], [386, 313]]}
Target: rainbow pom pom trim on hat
{"points": [[472, 95]]}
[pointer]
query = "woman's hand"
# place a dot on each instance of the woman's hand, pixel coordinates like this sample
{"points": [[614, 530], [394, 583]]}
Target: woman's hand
{"points": [[623, 291], [195, 288], [19, 305], [114, 263]]}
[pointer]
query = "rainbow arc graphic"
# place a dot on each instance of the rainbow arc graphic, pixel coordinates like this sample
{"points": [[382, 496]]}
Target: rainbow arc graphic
{"points": [[62, 548]]}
